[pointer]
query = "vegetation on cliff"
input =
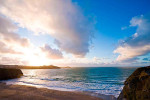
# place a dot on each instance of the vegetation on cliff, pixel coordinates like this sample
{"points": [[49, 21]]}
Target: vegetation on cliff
{"points": [[137, 86]]}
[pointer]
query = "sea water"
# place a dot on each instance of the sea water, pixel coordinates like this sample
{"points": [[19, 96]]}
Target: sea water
{"points": [[103, 80]]}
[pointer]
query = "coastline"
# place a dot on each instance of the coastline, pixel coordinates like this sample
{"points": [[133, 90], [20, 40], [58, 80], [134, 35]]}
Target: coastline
{"points": [[24, 92]]}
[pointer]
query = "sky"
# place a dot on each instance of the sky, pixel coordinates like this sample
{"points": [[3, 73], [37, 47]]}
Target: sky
{"points": [[76, 33]]}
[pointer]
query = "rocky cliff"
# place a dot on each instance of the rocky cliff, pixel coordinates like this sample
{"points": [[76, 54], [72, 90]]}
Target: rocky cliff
{"points": [[10, 73], [137, 85]]}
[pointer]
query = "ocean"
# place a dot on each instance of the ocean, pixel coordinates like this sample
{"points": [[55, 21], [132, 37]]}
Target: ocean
{"points": [[103, 80]]}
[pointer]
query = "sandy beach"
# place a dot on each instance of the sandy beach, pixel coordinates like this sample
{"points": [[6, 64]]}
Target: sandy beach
{"points": [[22, 92]]}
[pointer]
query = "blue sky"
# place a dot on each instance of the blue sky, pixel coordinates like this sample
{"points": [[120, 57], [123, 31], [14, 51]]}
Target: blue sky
{"points": [[111, 16], [65, 32]]}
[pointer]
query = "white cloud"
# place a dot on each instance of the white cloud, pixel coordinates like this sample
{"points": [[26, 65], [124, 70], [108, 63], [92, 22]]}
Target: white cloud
{"points": [[80, 62], [15, 49], [61, 19], [123, 28], [135, 35], [7, 49], [11, 44], [51, 53], [12, 61], [139, 43], [9, 40]]}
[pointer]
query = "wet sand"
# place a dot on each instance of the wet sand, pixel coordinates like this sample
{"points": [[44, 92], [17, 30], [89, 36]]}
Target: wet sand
{"points": [[22, 92]]}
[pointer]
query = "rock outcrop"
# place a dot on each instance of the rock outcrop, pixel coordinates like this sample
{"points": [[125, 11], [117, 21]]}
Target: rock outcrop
{"points": [[10, 73], [137, 85]]}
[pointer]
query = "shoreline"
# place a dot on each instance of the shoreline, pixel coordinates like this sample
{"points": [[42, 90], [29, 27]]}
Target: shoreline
{"points": [[25, 92]]}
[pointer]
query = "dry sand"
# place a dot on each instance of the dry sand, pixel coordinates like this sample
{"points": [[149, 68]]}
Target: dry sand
{"points": [[22, 92]]}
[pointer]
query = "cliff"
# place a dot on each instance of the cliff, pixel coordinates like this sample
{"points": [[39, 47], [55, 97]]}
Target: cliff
{"points": [[137, 85], [10, 73]]}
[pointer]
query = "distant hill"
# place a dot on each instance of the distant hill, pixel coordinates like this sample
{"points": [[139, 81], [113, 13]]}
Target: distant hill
{"points": [[66, 67], [30, 67]]}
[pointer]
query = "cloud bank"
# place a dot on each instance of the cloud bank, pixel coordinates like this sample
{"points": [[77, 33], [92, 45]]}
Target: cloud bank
{"points": [[139, 43], [61, 19]]}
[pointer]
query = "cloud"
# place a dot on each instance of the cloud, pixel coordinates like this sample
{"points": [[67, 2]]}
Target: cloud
{"points": [[6, 49], [123, 28], [81, 62], [63, 20], [139, 43], [12, 61], [15, 49], [9, 40], [96, 59], [51, 53]]}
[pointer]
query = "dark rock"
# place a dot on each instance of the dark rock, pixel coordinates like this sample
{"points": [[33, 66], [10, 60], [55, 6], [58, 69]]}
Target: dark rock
{"points": [[137, 85], [10, 73]]}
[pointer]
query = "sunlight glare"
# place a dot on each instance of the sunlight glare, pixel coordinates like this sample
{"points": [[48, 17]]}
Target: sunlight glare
{"points": [[35, 58]]}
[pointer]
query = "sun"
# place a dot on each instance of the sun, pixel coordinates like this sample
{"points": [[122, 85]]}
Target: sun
{"points": [[35, 57], [37, 61]]}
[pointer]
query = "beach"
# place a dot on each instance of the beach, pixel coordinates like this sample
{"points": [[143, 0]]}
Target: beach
{"points": [[22, 92], [74, 50], [100, 82]]}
